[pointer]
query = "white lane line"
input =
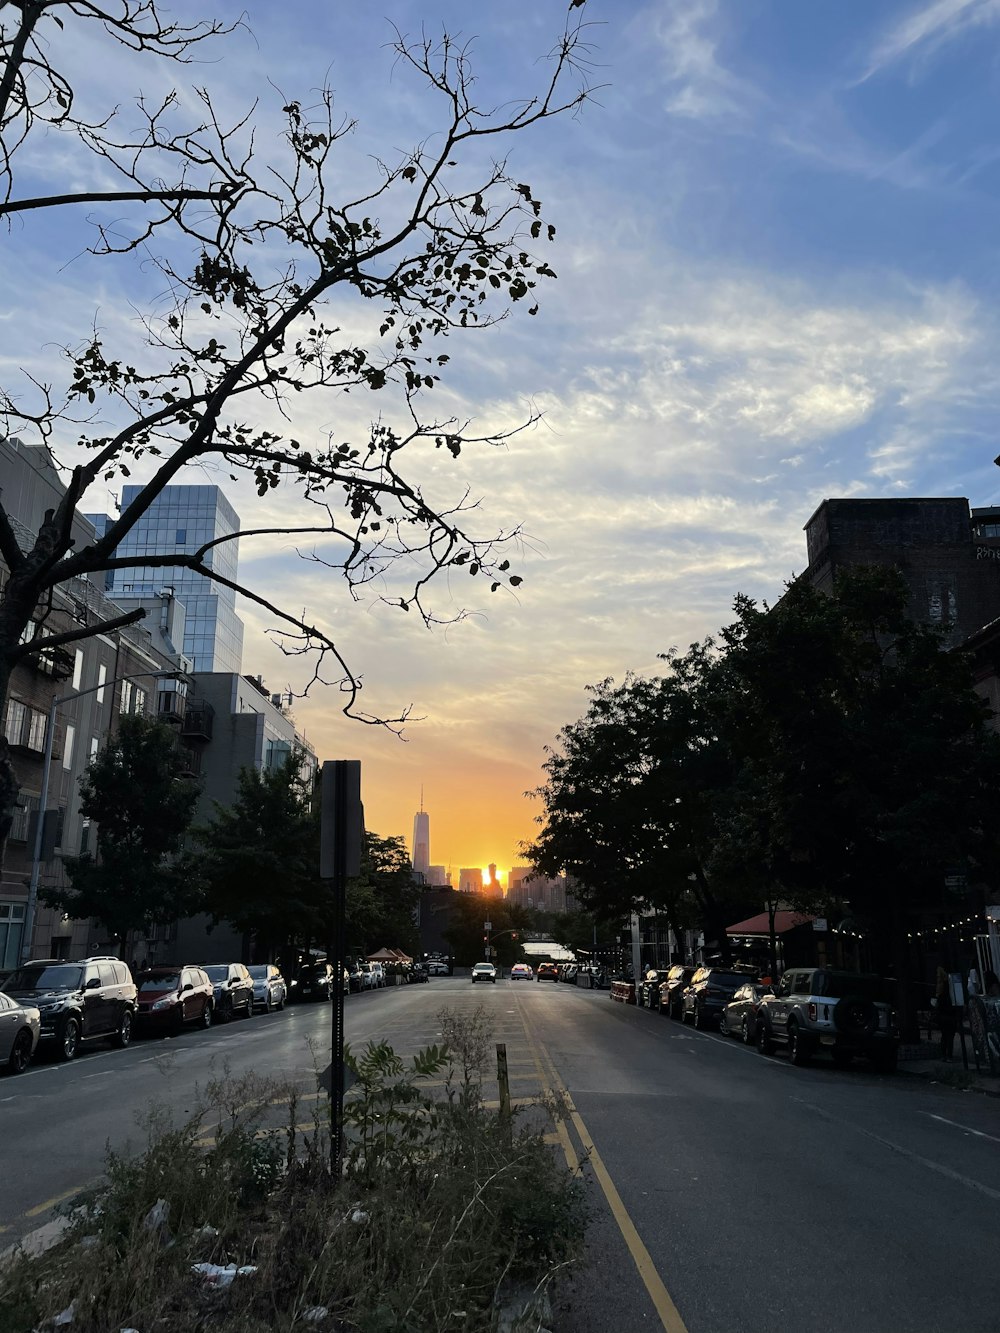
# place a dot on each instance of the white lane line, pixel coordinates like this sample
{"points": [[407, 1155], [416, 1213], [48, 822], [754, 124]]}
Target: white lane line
{"points": [[966, 1129], [937, 1167], [103, 1074]]}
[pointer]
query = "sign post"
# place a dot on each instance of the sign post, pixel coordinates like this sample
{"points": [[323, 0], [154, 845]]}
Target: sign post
{"points": [[341, 833]]}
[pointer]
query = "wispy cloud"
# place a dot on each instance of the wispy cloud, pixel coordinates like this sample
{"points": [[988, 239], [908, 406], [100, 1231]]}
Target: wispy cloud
{"points": [[700, 86], [925, 30]]}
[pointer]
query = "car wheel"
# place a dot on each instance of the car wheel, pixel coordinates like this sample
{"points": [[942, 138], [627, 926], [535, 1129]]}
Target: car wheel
{"points": [[249, 1008], [20, 1053], [281, 1003], [177, 1021], [124, 1034], [764, 1042], [699, 1018], [745, 1030], [268, 1004], [798, 1046], [206, 1016], [69, 1040], [494, 980], [723, 1025]]}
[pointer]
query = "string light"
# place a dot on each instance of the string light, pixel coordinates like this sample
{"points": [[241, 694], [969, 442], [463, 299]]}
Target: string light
{"points": [[942, 930]]}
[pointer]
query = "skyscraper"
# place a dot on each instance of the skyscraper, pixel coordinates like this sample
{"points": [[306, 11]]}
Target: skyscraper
{"points": [[421, 856], [184, 519]]}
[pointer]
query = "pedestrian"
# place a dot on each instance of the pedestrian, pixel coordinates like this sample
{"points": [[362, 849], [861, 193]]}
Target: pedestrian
{"points": [[946, 1016]]}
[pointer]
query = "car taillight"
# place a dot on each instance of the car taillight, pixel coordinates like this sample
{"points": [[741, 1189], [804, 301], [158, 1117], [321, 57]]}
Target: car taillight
{"points": [[812, 1013]]}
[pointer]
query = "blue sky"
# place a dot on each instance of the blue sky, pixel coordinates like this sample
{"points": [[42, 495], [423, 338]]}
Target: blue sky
{"points": [[777, 249]]}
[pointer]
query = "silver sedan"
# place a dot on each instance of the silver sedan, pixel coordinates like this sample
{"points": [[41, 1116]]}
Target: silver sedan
{"points": [[19, 1027]]}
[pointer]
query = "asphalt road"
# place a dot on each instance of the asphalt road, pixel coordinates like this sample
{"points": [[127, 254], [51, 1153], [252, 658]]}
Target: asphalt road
{"points": [[728, 1192]]}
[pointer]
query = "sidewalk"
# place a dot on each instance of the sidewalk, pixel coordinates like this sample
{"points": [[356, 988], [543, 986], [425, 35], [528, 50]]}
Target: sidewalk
{"points": [[923, 1060]]}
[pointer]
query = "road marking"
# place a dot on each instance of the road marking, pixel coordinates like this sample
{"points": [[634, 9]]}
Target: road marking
{"points": [[966, 1129], [940, 1169], [665, 1308], [40, 1208]]}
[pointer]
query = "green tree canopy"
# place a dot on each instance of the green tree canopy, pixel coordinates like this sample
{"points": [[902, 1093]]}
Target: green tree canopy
{"points": [[136, 792], [260, 859], [382, 902]]}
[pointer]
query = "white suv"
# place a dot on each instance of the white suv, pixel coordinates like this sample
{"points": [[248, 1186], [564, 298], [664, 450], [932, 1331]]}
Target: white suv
{"points": [[484, 972]]}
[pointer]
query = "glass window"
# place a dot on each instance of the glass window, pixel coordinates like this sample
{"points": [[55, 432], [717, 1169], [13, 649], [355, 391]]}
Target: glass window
{"points": [[67, 756], [102, 675], [64, 976], [77, 668], [95, 745], [36, 730], [802, 983], [107, 974], [15, 721]]}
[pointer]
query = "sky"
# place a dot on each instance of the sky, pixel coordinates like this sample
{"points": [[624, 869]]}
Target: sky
{"points": [[777, 256]]}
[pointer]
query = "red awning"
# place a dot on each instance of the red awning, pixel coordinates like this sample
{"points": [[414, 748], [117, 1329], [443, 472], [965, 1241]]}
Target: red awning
{"points": [[783, 922]]}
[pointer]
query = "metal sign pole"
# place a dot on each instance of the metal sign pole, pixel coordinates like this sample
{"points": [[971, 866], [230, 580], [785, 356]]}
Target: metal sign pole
{"points": [[341, 830]]}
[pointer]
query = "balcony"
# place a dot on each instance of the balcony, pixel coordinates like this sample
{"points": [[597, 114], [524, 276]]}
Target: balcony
{"points": [[171, 706], [198, 721]]}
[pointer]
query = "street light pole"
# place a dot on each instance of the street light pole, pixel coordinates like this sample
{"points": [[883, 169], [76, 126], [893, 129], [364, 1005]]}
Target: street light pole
{"points": [[36, 856]]}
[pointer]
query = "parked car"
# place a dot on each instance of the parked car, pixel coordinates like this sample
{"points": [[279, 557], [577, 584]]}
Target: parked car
{"points": [[568, 973], [20, 1025], [708, 993], [818, 1008], [484, 972], [416, 972], [547, 972], [313, 981], [739, 1016], [270, 990], [521, 972], [91, 1000], [647, 993], [232, 988], [437, 968], [355, 979], [371, 976], [672, 990], [169, 997]]}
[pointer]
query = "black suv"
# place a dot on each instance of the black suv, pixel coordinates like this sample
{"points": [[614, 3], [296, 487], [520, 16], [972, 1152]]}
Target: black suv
{"points": [[91, 1000], [672, 990], [709, 991], [232, 985]]}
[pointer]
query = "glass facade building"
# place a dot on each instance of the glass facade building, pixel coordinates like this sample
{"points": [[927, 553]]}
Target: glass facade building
{"points": [[182, 519]]}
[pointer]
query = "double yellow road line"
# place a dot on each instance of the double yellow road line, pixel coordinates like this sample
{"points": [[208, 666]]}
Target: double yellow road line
{"points": [[550, 1080]]}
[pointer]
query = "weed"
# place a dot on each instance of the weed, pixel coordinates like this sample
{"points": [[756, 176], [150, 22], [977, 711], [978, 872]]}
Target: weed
{"points": [[438, 1205]]}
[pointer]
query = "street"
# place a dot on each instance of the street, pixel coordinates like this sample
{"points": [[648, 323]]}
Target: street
{"points": [[729, 1191]]}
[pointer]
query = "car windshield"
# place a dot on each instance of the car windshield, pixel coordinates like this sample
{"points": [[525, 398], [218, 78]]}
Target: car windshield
{"points": [[165, 981], [838, 984], [55, 976], [217, 973], [258, 971], [727, 979]]}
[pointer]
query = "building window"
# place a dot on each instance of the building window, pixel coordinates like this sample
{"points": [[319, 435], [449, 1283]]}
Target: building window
{"points": [[85, 837], [15, 721], [95, 744], [138, 700], [181, 536], [67, 758], [25, 808], [125, 702], [78, 668], [11, 932], [36, 730], [102, 676]]}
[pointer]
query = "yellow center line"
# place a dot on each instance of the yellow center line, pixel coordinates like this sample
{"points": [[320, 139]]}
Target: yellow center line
{"points": [[668, 1313], [40, 1208]]}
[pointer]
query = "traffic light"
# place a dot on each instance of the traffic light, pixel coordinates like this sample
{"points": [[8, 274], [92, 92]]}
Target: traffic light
{"points": [[514, 937]]}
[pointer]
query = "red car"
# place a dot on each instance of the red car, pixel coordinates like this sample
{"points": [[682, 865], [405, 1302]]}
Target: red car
{"points": [[547, 972], [169, 997]]}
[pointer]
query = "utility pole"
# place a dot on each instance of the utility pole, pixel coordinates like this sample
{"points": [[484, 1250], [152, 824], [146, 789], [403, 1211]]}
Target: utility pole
{"points": [[487, 927]]}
